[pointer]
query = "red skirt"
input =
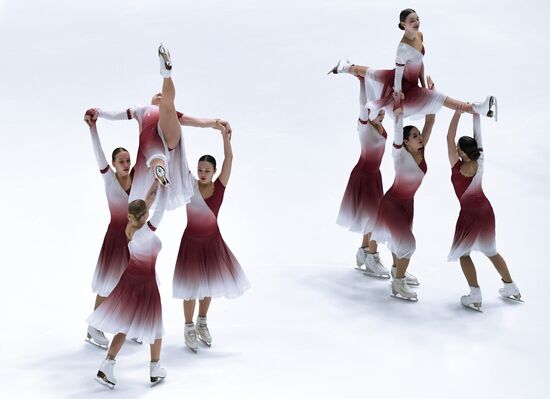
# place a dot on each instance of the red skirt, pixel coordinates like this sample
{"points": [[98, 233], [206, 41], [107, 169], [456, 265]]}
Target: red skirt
{"points": [[112, 261]]}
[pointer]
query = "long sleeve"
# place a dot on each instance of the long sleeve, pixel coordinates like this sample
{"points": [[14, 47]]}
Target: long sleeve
{"points": [[116, 115], [160, 208], [477, 130], [363, 110], [398, 133], [400, 61], [98, 151]]}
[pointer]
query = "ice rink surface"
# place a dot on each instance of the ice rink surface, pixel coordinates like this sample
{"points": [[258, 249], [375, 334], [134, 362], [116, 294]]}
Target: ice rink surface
{"points": [[310, 326]]}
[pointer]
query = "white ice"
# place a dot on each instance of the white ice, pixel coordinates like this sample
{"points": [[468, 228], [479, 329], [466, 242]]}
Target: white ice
{"points": [[311, 326]]}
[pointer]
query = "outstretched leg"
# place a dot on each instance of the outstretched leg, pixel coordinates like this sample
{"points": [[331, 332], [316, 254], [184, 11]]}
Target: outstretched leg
{"points": [[168, 118]]}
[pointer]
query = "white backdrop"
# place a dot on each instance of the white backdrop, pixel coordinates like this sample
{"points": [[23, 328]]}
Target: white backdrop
{"points": [[310, 326]]}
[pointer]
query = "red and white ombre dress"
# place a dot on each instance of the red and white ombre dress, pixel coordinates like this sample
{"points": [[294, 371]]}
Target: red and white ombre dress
{"points": [[395, 213], [205, 266], [475, 227], [419, 101], [134, 306], [113, 257], [364, 190]]}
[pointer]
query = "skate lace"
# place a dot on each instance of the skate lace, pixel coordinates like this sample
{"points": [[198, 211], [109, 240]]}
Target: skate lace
{"points": [[100, 333]]}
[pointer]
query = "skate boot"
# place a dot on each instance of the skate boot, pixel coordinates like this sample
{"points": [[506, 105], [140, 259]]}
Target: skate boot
{"points": [[105, 375], [136, 340], [411, 280], [361, 258], [486, 108], [156, 372], [342, 67], [190, 335], [510, 291], [473, 300], [165, 62], [160, 175], [374, 267], [203, 334], [97, 338], [401, 290]]}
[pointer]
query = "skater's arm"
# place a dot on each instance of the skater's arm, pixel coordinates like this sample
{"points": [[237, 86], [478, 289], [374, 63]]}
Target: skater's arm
{"points": [[427, 129], [116, 115], [421, 76], [451, 139], [152, 193], [186, 120], [398, 133], [477, 132], [228, 158], [98, 151], [154, 221]]}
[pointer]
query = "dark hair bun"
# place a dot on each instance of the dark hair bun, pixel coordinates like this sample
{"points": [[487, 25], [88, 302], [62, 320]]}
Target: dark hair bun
{"points": [[474, 156], [400, 26]]}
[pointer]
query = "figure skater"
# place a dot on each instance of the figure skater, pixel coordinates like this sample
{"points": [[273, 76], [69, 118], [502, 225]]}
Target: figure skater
{"points": [[395, 213], [475, 227], [205, 267], [113, 257], [364, 190], [397, 90], [134, 307]]}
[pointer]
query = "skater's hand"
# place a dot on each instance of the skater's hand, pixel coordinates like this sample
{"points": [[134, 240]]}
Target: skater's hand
{"points": [[431, 84], [227, 128], [398, 96], [398, 112], [90, 117]]}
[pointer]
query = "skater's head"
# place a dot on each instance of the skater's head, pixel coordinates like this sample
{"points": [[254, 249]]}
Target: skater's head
{"points": [[156, 99], [206, 168], [408, 20], [467, 149], [412, 139], [379, 118], [121, 161], [138, 212]]}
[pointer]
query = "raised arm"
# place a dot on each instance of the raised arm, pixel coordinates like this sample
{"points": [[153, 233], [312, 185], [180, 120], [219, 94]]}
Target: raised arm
{"points": [[398, 132], [186, 120], [451, 139], [152, 194], [116, 115], [477, 131], [429, 121], [98, 151], [154, 220], [228, 158]]}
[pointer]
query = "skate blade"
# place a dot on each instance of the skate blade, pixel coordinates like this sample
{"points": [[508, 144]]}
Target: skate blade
{"points": [[473, 307], [194, 350], [156, 380], [513, 298], [106, 383], [380, 276], [91, 342], [136, 340], [404, 298], [209, 344], [492, 108]]}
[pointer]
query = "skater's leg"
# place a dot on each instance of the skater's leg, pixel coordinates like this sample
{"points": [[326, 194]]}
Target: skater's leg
{"points": [[502, 269], [155, 350], [402, 265], [204, 304], [98, 301], [168, 118], [358, 70], [394, 258], [366, 241], [188, 310], [457, 105], [116, 344], [469, 270]]}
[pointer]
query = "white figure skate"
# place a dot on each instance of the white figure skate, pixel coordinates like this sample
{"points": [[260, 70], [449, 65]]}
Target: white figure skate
{"points": [[96, 338], [165, 62], [401, 290], [411, 280], [105, 375], [136, 340], [156, 372], [373, 265], [510, 291], [203, 334], [160, 175], [472, 300], [190, 335], [342, 67], [487, 108]]}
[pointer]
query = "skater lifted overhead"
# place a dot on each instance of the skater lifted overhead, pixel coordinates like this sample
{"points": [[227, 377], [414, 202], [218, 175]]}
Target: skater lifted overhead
{"points": [[205, 266], [395, 213], [134, 306], [475, 227], [364, 189], [113, 257], [161, 147], [397, 90]]}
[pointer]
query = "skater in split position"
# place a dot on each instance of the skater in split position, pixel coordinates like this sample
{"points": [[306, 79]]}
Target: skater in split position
{"points": [[205, 267], [475, 227], [364, 190], [397, 90], [161, 146], [395, 214], [113, 257], [134, 306]]}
